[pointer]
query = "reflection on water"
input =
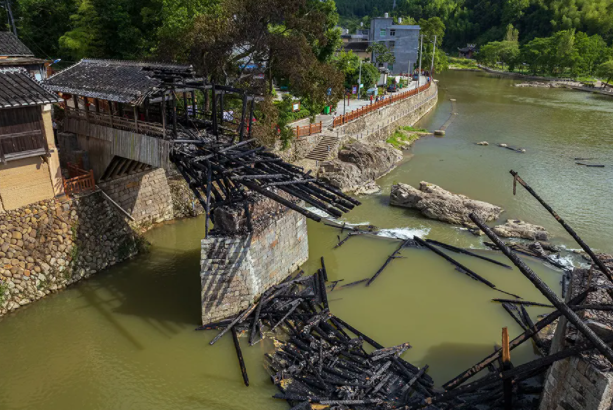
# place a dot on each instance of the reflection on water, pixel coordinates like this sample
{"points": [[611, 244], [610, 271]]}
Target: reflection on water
{"points": [[125, 339]]}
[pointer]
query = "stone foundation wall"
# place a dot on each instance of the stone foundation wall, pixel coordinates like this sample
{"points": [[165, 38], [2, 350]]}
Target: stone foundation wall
{"points": [[235, 271], [583, 382], [146, 196], [49, 245]]}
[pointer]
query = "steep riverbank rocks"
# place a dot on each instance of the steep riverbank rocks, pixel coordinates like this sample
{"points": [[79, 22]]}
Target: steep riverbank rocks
{"points": [[519, 229], [359, 164], [47, 246], [436, 203]]}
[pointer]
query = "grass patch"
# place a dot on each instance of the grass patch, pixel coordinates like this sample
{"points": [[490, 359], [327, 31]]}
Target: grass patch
{"points": [[465, 63], [3, 288], [413, 129], [400, 139]]}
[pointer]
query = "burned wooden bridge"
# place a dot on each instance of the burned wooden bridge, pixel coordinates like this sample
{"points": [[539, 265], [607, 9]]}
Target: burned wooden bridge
{"points": [[127, 114]]}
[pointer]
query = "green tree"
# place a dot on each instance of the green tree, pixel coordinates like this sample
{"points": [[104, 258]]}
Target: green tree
{"points": [[605, 70], [592, 51], [382, 54]]}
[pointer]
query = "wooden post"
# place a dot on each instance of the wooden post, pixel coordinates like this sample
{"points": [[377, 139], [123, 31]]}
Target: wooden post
{"points": [[244, 113], [221, 95], [185, 106], [208, 199], [147, 110], [75, 100], [251, 116], [164, 114], [239, 353], [112, 111], [507, 384], [214, 113], [97, 104], [193, 93], [120, 106], [136, 118], [174, 113]]}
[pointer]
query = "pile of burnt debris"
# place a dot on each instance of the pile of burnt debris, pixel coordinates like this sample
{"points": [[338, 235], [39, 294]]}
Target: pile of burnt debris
{"points": [[320, 361]]}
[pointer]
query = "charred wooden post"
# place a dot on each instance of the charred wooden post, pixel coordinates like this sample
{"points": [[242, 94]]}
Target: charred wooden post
{"points": [[546, 291], [389, 259], [239, 353], [506, 365], [567, 227], [546, 321], [323, 269], [465, 252]]}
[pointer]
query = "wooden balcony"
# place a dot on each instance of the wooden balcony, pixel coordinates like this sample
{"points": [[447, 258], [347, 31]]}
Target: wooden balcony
{"points": [[22, 145]]}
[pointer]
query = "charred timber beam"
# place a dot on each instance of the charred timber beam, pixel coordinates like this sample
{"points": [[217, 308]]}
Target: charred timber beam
{"points": [[463, 268], [465, 252], [546, 291], [282, 201], [239, 353], [567, 227], [389, 259], [546, 321], [522, 302]]}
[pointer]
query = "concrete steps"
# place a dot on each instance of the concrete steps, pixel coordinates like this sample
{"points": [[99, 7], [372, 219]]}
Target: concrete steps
{"points": [[326, 146]]}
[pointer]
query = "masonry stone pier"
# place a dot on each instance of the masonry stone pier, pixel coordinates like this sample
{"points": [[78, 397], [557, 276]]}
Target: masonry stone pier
{"points": [[237, 268]]}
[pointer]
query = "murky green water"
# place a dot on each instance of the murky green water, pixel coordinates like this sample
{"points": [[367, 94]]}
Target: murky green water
{"points": [[124, 339]]}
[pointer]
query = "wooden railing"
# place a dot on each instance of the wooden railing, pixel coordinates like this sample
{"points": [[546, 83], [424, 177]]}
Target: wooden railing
{"points": [[139, 127], [80, 181], [360, 112], [308, 130]]}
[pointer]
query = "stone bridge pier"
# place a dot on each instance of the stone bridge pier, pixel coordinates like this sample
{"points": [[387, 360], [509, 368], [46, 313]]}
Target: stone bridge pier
{"points": [[237, 267]]}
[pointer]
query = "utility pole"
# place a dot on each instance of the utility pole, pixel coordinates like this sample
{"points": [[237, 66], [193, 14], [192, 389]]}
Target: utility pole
{"points": [[433, 54], [421, 52], [10, 15], [360, 80]]}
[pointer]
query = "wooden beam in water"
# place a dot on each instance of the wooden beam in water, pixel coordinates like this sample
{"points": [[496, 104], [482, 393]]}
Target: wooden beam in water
{"points": [[239, 353]]}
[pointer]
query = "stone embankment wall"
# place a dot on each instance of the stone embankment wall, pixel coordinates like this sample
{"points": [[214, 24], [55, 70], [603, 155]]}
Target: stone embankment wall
{"points": [[145, 195], [237, 269], [373, 127], [49, 245]]}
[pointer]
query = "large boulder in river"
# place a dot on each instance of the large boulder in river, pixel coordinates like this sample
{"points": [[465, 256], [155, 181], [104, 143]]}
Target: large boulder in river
{"points": [[436, 203], [359, 164], [520, 229]]}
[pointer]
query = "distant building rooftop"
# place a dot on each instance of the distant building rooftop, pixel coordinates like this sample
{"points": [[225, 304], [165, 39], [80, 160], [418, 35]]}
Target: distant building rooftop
{"points": [[112, 80], [11, 46], [19, 89]]}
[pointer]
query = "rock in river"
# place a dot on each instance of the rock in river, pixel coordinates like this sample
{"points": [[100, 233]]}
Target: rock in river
{"points": [[359, 164], [436, 203], [520, 229]]}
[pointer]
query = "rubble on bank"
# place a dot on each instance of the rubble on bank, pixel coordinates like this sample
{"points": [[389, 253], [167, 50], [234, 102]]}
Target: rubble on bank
{"points": [[359, 164], [514, 228]]}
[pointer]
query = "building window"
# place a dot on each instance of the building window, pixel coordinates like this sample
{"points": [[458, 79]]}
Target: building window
{"points": [[392, 33], [390, 67], [380, 65], [392, 45], [383, 32]]}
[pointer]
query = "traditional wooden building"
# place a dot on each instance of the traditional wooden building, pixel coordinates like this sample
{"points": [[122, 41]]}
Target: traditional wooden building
{"points": [[467, 52], [13, 53], [115, 108], [29, 164]]}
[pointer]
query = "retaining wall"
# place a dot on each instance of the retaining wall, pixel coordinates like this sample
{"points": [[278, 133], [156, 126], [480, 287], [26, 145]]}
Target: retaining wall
{"points": [[146, 196], [49, 245]]}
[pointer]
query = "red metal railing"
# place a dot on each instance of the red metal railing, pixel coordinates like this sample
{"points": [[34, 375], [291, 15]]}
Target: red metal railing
{"points": [[360, 112], [80, 181], [308, 130]]}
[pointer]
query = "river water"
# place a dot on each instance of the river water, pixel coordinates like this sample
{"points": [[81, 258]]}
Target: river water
{"points": [[124, 339]]}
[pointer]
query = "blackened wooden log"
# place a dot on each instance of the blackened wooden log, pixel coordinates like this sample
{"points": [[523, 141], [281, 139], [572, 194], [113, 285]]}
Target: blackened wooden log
{"points": [[463, 268], [571, 231], [257, 318], [317, 288], [465, 252], [546, 291], [389, 259], [322, 289], [295, 305], [323, 269], [282, 201], [357, 282], [511, 310], [522, 302], [239, 353], [415, 378], [239, 319], [530, 325], [546, 321], [214, 325]]}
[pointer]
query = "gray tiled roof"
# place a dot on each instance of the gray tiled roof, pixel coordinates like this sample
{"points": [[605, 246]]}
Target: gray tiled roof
{"points": [[11, 46], [120, 81], [19, 89]]}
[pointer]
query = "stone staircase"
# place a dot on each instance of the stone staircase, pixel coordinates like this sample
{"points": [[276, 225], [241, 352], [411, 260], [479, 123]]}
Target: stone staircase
{"points": [[324, 149]]}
